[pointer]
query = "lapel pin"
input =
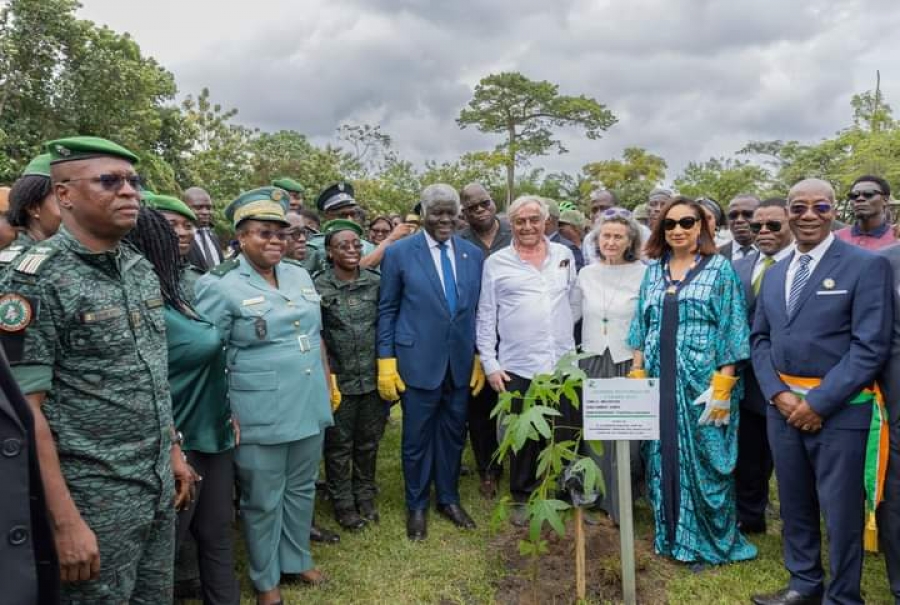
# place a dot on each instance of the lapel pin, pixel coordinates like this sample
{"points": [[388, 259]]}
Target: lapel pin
{"points": [[828, 284], [465, 255]]}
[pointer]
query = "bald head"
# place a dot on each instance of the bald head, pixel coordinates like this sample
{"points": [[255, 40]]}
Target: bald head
{"points": [[200, 202], [811, 211], [478, 208], [817, 187]]}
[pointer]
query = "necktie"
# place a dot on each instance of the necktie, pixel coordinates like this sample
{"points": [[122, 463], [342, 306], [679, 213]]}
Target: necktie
{"points": [[800, 279], [767, 262], [211, 259], [745, 250], [449, 280]]}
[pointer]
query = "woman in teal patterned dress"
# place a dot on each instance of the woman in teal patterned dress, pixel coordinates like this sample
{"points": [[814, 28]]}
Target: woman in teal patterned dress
{"points": [[690, 330]]}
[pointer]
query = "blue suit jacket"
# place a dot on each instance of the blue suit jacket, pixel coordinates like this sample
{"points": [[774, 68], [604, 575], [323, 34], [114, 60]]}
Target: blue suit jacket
{"points": [[414, 322], [753, 398], [841, 334]]}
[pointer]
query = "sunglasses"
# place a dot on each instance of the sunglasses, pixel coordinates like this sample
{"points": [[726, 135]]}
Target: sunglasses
{"points": [[819, 208], [482, 205], [297, 233], [113, 182], [773, 226], [869, 194], [611, 212], [685, 222], [269, 234], [734, 214]]}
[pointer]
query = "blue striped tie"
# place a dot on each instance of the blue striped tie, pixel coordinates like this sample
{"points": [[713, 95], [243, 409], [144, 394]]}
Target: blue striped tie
{"points": [[449, 279], [800, 279]]}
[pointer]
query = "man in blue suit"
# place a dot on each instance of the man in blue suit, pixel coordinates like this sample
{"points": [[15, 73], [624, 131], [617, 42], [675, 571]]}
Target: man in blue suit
{"points": [[769, 225], [820, 336], [430, 284]]}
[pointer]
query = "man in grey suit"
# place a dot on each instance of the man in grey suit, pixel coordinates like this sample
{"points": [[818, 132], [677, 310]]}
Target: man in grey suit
{"points": [[889, 511]]}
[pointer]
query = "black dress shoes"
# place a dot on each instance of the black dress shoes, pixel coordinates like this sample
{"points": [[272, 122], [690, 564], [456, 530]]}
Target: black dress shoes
{"points": [[349, 519], [416, 525], [456, 514], [368, 511], [786, 597], [320, 534]]}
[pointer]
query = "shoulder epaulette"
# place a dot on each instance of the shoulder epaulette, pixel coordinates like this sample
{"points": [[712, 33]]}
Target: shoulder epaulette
{"points": [[31, 262], [11, 253], [224, 267]]}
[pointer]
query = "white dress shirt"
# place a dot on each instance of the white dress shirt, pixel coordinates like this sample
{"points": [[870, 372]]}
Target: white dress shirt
{"points": [[816, 253], [610, 292], [529, 308], [780, 255], [736, 252], [435, 249]]}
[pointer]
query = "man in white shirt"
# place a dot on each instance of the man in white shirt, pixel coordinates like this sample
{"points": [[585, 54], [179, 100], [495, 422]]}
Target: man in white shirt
{"points": [[527, 295]]}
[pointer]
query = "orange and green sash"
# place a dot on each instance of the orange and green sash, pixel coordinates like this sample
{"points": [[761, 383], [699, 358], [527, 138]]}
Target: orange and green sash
{"points": [[877, 447]]}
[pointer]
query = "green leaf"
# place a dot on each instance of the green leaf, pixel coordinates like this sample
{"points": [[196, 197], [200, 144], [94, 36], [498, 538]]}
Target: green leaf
{"points": [[547, 511]]}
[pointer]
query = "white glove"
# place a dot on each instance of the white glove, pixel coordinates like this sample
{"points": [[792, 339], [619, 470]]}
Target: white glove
{"points": [[716, 412]]}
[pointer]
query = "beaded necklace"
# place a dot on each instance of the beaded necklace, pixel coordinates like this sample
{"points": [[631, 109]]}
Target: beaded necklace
{"points": [[673, 284]]}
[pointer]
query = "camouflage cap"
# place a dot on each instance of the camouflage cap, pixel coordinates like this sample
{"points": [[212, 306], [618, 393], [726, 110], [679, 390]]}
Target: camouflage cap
{"points": [[85, 148], [572, 217], [263, 204], [167, 203]]}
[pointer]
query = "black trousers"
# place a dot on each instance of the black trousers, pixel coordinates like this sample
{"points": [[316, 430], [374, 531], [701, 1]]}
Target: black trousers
{"points": [[483, 432], [523, 465], [753, 470], [208, 519]]}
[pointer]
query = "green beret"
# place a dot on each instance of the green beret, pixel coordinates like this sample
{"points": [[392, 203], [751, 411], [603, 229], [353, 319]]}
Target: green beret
{"points": [[572, 217], [263, 204], [39, 166], [85, 148], [167, 203], [287, 184], [341, 224]]}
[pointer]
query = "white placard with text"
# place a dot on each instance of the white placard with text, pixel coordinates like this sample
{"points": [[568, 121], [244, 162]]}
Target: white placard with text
{"points": [[621, 409]]}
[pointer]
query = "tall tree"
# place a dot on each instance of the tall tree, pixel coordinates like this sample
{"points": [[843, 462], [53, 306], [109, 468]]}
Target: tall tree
{"points": [[370, 149], [632, 178], [526, 112], [722, 179]]}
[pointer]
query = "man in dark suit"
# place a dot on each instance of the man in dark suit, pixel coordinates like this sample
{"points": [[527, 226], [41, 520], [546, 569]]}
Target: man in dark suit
{"points": [[205, 252], [821, 334], [889, 511], [28, 554], [430, 283], [740, 211], [754, 463]]}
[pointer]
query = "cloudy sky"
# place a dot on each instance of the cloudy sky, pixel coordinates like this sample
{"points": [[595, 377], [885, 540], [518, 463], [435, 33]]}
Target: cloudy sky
{"points": [[687, 79]]}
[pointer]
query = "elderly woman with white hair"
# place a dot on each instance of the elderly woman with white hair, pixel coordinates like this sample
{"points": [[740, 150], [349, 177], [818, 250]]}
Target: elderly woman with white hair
{"points": [[430, 283], [607, 298]]}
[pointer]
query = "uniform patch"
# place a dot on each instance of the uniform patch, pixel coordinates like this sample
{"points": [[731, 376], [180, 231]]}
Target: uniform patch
{"points": [[15, 313], [253, 301], [31, 262], [9, 254]]}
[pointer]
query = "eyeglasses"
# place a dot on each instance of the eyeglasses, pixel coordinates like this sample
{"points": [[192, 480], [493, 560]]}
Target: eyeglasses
{"points": [[773, 226], [380, 231], [611, 212], [269, 234], [685, 222], [347, 247], [297, 233], [868, 194], [482, 205], [734, 214], [112, 182], [819, 208]]}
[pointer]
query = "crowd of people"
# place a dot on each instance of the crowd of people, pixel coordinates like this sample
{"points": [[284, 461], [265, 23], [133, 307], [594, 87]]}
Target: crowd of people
{"points": [[158, 379]]}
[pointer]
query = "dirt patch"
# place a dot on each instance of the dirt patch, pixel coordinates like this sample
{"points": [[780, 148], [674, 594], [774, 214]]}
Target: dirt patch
{"points": [[556, 569]]}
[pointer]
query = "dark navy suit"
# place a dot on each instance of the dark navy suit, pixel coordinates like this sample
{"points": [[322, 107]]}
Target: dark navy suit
{"points": [[435, 351], [754, 463], [840, 332], [889, 511]]}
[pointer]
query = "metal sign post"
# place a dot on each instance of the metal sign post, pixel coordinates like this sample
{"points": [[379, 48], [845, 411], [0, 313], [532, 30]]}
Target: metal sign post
{"points": [[626, 522]]}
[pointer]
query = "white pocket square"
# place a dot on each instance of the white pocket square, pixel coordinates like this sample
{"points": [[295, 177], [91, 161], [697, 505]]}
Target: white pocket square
{"points": [[829, 292]]}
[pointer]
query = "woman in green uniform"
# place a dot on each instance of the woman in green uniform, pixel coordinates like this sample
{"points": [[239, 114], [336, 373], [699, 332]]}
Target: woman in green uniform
{"points": [[201, 411], [350, 317], [33, 210], [279, 386], [182, 220]]}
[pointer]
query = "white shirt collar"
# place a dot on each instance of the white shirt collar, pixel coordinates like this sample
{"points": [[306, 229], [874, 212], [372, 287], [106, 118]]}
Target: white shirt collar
{"points": [[433, 243], [819, 251], [780, 255]]}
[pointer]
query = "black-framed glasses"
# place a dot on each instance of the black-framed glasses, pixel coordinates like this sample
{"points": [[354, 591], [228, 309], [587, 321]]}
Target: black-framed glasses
{"points": [[819, 208], [482, 205], [348, 246], [773, 226], [685, 222], [113, 182], [867, 194], [735, 214], [269, 234]]}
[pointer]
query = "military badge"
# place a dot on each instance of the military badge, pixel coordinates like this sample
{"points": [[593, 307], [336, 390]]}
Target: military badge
{"points": [[63, 151], [828, 284], [277, 195], [15, 313]]}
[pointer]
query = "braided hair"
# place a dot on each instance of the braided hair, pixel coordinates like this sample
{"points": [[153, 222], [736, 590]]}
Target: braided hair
{"points": [[156, 240]]}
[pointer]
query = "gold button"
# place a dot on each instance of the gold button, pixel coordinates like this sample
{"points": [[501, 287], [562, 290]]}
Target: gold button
{"points": [[297, 323], [308, 371]]}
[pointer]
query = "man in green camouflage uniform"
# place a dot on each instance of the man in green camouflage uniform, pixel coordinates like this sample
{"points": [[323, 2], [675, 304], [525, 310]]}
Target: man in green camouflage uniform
{"points": [[349, 321], [81, 321]]}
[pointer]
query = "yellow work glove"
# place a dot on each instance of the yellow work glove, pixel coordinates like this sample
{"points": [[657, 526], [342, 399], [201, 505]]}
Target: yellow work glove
{"points": [[334, 393], [390, 385], [476, 383], [717, 399], [637, 373]]}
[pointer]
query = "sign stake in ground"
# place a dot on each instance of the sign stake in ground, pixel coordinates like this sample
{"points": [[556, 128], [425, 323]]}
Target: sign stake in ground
{"points": [[580, 579]]}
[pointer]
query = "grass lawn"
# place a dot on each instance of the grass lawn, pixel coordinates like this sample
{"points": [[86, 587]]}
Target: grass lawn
{"points": [[379, 565]]}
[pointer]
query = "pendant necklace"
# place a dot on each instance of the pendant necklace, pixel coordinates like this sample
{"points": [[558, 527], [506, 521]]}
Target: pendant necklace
{"points": [[673, 284], [606, 301]]}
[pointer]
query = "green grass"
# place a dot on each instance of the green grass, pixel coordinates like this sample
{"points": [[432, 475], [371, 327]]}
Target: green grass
{"points": [[379, 565]]}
